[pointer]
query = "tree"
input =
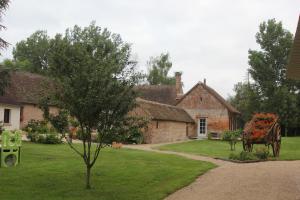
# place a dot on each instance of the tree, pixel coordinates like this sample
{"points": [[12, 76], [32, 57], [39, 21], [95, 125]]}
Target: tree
{"points": [[246, 100], [271, 91], [33, 53], [159, 68], [3, 7], [94, 78], [4, 75]]}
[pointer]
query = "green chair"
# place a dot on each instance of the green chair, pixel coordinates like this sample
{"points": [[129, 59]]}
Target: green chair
{"points": [[10, 149]]}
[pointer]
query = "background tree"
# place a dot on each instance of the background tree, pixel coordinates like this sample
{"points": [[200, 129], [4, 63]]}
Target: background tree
{"points": [[274, 92], [32, 54], [3, 7], [94, 76], [246, 100], [158, 69], [4, 75]]}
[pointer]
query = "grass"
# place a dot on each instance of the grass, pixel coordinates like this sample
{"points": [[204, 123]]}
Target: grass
{"points": [[55, 172], [290, 148]]}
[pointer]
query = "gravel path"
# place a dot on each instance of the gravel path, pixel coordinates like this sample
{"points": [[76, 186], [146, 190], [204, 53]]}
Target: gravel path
{"points": [[273, 180]]}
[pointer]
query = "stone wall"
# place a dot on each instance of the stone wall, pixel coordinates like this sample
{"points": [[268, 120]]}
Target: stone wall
{"points": [[199, 103], [167, 131]]}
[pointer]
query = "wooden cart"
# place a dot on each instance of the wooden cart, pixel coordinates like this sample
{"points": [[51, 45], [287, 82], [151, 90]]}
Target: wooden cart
{"points": [[263, 128]]}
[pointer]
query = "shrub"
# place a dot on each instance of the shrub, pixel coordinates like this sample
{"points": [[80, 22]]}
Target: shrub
{"points": [[1, 127], [232, 137], [262, 153], [245, 155], [209, 136], [234, 156], [39, 132]]}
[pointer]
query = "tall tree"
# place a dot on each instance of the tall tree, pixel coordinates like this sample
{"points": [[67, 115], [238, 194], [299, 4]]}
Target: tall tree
{"points": [[246, 100], [94, 76], [3, 7], [275, 92], [33, 53], [158, 69], [4, 75]]}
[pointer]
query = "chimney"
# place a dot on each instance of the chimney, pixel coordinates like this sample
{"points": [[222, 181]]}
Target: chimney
{"points": [[204, 81], [179, 91]]}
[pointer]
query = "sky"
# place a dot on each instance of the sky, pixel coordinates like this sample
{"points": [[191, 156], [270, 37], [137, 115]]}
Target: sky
{"points": [[205, 38]]}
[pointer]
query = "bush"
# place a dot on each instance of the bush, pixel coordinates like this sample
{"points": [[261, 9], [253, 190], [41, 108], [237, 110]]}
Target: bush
{"points": [[209, 136], [232, 137], [243, 156], [38, 131], [234, 156], [262, 153]]}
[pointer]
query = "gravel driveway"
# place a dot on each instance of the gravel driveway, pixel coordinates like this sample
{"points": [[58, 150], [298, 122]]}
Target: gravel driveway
{"points": [[272, 180]]}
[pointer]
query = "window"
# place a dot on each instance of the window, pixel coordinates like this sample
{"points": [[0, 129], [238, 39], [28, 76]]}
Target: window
{"points": [[6, 116], [202, 126]]}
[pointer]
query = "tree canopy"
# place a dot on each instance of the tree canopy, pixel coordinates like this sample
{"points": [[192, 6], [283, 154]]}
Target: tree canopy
{"points": [[94, 78], [3, 7], [32, 54], [270, 90], [158, 69]]}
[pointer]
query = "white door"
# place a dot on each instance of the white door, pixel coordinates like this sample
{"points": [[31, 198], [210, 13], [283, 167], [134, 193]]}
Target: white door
{"points": [[202, 127]]}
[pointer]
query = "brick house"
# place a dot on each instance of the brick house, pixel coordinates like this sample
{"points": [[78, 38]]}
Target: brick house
{"points": [[172, 115], [209, 111], [19, 104]]}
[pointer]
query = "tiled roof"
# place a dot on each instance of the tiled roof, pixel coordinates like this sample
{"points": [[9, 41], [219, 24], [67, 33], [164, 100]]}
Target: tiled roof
{"points": [[159, 111], [25, 87], [165, 94]]}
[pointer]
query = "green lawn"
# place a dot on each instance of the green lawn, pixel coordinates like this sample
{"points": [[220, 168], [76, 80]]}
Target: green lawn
{"points": [[290, 148], [55, 172]]}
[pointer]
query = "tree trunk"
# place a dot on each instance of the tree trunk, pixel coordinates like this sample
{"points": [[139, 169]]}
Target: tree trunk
{"points": [[88, 175]]}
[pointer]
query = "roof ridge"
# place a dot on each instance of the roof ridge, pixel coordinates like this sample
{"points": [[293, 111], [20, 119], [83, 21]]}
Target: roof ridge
{"points": [[158, 103]]}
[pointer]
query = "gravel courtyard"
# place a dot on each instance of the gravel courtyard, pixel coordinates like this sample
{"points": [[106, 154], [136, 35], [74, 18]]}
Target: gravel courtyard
{"points": [[272, 180]]}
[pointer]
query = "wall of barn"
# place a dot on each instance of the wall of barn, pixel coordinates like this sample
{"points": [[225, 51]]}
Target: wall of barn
{"points": [[33, 112], [14, 116], [200, 103], [167, 131]]}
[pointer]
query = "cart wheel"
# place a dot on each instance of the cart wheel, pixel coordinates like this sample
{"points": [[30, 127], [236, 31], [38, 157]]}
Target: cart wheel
{"points": [[276, 141]]}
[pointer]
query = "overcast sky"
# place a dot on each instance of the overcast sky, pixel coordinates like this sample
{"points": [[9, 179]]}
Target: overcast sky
{"points": [[205, 38]]}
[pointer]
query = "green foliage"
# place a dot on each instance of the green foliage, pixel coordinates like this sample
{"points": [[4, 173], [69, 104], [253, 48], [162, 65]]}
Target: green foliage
{"points": [[158, 69], [232, 137], [245, 155], [38, 131], [3, 6], [1, 127], [33, 53], [94, 77], [262, 153], [270, 91], [209, 136], [246, 100]]}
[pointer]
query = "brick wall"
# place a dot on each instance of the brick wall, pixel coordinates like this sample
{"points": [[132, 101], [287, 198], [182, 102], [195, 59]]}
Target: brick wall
{"points": [[200, 103], [166, 131], [30, 111]]}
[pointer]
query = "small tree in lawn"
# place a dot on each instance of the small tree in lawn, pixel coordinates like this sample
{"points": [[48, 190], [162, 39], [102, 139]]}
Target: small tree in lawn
{"points": [[94, 78], [232, 137]]}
